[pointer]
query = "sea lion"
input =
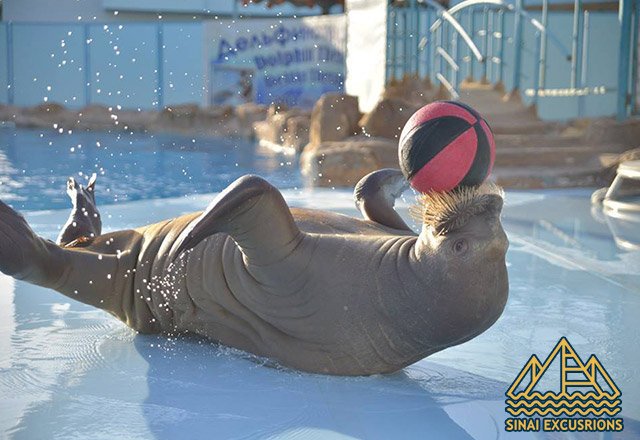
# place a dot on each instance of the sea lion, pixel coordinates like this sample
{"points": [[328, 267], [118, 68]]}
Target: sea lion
{"points": [[84, 223], [317, 291]]}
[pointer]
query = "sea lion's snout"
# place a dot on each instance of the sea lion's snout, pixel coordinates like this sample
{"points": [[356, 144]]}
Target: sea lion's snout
{"points": [[499, 243]]}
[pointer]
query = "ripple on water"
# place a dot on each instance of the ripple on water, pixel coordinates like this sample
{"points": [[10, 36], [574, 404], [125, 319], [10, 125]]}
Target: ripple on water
{"points": [[41, 356]]}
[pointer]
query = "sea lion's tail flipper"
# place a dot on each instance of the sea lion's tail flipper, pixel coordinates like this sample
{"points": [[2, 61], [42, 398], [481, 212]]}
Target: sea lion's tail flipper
{"points": [[85, 276], [376, 193], [91, 186], [23, 254], [254, 214]]}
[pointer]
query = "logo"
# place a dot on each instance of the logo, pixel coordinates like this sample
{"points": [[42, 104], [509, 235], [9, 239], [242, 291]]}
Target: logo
{"points": [[563, 393]]}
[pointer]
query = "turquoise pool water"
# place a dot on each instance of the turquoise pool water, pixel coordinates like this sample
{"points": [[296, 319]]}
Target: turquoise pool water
{"points": [[68, 371]]}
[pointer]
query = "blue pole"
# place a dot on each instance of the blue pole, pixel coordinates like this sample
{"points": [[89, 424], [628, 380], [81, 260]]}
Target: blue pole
{"points": [[456, 57], [394, 44], [160, 64], [432, 53], [543, 45], [626, 8], [472, 33], [536, 69], [576, 43], [388, 46], [634, 60], [429, 36], [501, 48], [235, 12], [10, 74], [87, 65], [437, 60], [416, 39], [517, 45], [490, 50], [585, 61], [485, 43], [406, 62]]}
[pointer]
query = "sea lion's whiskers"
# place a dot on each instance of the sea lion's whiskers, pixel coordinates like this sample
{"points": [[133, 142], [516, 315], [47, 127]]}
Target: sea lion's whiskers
{"points": [[449, 211]]}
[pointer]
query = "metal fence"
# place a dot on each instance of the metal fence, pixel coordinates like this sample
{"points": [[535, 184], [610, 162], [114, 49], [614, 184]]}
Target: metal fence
{"points": [[568, 64]]}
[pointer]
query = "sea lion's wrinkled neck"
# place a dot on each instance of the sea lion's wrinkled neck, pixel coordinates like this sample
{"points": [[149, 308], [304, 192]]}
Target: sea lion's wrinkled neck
{"points": [[442, 300]]}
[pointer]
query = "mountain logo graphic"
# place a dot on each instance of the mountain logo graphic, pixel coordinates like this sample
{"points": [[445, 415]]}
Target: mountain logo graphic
{"points": [[583, 388]]}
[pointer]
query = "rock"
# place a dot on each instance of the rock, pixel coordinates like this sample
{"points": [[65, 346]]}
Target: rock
{"points": [[388, 118], [8, 112], [96, 117], [334, 117], [296, 134], [178, 117], [46, 115], [266, 132], [284, 129], [344, 163], [191, 119], [610, 164], [274, 109], [136, 120], [218, 121], [46, 108], [416, 91], [608, 130], [248, 114], [185, 118]]}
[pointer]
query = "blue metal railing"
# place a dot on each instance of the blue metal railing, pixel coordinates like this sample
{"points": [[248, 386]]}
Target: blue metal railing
{"points": [[472, 34]]}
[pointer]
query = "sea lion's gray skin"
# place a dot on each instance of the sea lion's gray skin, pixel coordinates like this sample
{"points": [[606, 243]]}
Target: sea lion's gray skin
{"points": [[84, 223], [317, 291]]}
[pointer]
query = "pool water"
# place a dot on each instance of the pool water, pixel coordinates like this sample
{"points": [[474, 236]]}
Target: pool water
{"points": [[35, 165], [68, 371]]}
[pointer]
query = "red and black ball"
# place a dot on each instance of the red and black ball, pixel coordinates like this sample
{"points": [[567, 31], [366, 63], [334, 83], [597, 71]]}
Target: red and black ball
{"points": [[446, 145]]}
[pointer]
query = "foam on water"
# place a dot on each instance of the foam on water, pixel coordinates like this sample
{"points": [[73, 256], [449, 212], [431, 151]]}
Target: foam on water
{"points": [[69, 371]]}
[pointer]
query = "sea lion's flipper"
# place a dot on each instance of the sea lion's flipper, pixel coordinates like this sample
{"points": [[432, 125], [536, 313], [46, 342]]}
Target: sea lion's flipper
{"points": [[72, 187], [84, 223], [83, 275], [24, 255], [376, 193], [91, 186], [254, 214]]}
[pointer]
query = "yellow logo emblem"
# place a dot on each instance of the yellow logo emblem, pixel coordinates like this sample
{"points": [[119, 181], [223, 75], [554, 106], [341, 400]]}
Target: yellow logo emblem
{"points": [[584, 389]]}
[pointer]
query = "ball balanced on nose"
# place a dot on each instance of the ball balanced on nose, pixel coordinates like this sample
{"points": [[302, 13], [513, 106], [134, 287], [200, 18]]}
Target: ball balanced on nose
{"points": [[446, 145]]}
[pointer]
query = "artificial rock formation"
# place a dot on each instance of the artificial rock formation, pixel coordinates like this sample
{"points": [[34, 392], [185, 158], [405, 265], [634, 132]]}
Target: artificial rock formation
{"points": [[338, 154], [185, 118], [283, 129], [344, 163], [387, 118], [334, 118]]}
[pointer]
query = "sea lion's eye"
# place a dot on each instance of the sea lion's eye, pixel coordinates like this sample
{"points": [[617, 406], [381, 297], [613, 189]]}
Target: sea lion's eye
{"points": [[460, 246]]}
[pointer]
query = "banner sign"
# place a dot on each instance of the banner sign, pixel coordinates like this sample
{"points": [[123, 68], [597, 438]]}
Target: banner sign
{"points": [[289, 61]]}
